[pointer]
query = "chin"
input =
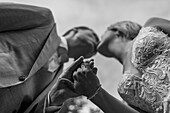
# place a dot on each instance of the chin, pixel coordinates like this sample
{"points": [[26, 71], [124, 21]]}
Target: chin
{"points": [[106, 54], [104, 51]]}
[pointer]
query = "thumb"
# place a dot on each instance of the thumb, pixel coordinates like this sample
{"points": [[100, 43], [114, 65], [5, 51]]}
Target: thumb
{"points": [[67, 83], [75, 64], [69, 71]]}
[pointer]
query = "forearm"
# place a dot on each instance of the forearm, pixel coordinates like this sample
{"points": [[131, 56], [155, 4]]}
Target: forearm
{"points": [[110, 104]]}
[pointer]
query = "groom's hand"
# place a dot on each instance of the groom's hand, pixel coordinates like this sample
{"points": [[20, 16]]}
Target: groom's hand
{"points": [[64, 88]]}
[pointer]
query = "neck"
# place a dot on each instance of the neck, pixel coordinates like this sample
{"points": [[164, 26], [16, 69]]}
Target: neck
{"points": [[71, 50], [126, 52], [121, 57]]}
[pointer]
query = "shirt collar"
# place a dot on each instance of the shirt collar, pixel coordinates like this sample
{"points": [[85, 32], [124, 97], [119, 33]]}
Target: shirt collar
{"points": [[63, 43]]}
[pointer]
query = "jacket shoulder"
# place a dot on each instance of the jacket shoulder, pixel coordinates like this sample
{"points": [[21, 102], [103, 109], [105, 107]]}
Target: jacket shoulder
{"points": [[23, 16]]}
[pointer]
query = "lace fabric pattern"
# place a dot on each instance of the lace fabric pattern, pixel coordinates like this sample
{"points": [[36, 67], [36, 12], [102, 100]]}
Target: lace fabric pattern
{"points": [[151, 56]]}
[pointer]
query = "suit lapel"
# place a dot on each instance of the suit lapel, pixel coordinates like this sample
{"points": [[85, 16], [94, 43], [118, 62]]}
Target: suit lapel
{"points": [[49, 48]]}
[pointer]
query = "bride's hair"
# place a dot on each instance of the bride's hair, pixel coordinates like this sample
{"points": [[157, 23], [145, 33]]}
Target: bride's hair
{"points": [[128, 29]]}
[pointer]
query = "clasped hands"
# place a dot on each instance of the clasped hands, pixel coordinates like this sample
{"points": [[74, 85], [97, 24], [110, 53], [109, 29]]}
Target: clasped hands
{"points": [[78, 79]]}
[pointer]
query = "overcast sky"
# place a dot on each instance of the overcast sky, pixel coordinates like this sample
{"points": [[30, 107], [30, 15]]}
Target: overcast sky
{"points": [[98, 14]]}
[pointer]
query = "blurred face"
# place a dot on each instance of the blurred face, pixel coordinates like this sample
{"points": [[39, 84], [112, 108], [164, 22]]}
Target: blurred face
{"points": [[82, 44], [110, 43]]}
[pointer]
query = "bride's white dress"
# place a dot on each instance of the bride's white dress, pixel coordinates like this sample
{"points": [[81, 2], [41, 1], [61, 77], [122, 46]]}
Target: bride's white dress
{"points": [[151, 56]]}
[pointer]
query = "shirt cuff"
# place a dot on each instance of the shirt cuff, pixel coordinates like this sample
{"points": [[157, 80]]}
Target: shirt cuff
{"points": [[51, 109]]}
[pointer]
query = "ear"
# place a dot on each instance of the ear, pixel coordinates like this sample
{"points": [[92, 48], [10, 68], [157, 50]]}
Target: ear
{"points": [[120, 34], [69, 34]]}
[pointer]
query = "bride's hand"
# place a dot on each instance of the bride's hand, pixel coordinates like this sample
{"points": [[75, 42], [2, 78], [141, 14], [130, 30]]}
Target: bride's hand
{"points": [[85, 80]]}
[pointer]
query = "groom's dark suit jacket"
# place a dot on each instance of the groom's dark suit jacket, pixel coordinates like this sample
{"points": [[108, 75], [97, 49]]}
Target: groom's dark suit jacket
{"points": [[28, 38]]}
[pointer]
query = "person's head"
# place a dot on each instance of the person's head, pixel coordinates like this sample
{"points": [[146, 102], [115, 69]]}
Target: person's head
{"points": [[116, 36], [82, 41]]}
